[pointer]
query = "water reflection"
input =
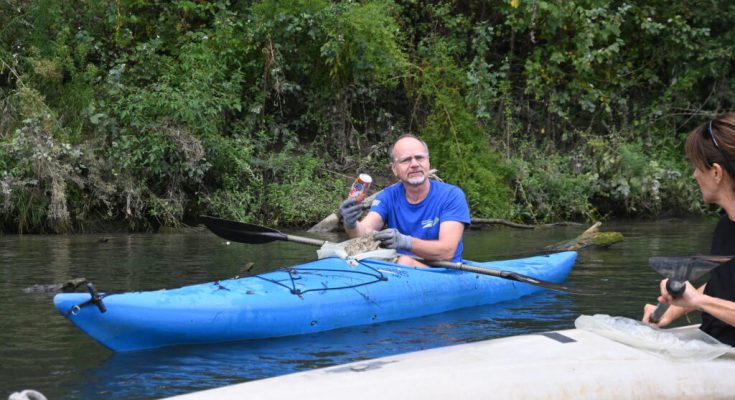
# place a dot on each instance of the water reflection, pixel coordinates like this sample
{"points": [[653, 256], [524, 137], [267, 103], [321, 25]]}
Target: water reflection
{"points": [[187, 368]]}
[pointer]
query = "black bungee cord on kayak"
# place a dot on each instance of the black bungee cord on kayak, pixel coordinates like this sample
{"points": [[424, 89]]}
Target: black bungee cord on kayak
{"points": [[377, 274], [96, 297]]}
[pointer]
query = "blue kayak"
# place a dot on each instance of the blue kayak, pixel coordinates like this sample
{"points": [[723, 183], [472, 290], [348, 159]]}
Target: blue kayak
{"points": [[317, 296]]}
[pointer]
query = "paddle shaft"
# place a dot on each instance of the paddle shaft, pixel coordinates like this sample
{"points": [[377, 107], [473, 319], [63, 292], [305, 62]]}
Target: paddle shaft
{"points": [[305, 240], [487, 271], [256, 234], [675, 289]]}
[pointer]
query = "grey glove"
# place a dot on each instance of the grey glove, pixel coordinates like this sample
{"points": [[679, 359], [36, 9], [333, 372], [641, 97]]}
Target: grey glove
{"points": [[393, 239], [350, 211]]}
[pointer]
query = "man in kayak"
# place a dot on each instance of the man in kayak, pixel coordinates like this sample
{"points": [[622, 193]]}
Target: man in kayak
{"points": [[416, 216], [711, 149]]}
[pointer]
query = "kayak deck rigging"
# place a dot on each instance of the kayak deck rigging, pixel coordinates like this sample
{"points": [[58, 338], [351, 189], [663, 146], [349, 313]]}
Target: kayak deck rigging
{"points": [[292, 271]]}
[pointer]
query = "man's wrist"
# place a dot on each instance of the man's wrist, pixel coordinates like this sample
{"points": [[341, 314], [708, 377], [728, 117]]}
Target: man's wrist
{"points": [[407, 242]]}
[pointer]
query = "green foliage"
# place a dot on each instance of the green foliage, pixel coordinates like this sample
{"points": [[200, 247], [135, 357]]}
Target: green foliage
{"points": [[550, 189], [195, 89], [628, 181], [152, 112], [458, 146], [34, 187], [330, 70], [328, 46], [604, 177], [237, 183], [361, 45], [306, 193]]}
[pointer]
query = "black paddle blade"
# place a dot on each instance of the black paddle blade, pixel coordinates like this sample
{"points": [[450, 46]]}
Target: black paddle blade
{"points": [[241, 232], [686, 268]]}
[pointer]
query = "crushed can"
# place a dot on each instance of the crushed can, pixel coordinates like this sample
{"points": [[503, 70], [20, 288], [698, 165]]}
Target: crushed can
{"points": [[360, 187]]}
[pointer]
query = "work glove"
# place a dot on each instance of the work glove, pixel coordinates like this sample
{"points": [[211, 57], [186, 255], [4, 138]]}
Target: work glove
{"points": [[350, 211], [393, 239]]}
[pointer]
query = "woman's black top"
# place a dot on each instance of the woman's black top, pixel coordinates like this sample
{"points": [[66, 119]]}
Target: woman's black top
{"points": [[721, 283]]}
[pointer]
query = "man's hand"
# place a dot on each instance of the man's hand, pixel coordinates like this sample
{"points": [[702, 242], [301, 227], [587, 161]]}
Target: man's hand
{"points": [[393, 239], [350, 211]]}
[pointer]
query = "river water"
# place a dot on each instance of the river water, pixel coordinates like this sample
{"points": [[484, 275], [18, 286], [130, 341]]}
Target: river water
{"points": [[41, 350]]}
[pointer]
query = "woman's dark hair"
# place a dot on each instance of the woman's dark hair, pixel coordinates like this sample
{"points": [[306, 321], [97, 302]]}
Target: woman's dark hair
{"points": [[713, 142]]}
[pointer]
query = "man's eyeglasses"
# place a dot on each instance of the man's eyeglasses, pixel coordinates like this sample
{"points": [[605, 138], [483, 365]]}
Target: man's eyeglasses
{"points": [[420, 158], [726, 164]]}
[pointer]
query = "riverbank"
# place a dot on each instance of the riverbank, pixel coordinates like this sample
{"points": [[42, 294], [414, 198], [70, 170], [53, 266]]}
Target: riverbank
{"points": [[151, 113]]}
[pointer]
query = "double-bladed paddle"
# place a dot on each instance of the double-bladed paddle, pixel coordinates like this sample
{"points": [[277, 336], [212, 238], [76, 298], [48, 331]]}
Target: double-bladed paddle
{"points": [[679, 270], [255, 234]]}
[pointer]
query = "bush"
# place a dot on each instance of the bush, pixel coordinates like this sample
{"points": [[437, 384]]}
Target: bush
{"points": [[151, 112], [549, 188], [300, 194]]}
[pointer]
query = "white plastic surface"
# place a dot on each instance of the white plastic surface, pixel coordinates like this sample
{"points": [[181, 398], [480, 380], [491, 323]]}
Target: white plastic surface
{"points": [[672, 344]]}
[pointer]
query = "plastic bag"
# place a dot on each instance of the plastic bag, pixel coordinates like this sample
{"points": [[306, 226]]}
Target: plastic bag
{"points": [[679, 344], [340, 250]]}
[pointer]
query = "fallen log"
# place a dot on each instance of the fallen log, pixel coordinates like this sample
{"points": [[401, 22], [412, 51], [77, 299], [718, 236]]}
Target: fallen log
{"points": [[591, 237], [493, 221], [68, 286]]}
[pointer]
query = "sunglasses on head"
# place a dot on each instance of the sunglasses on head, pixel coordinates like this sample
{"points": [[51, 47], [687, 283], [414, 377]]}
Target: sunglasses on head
{"points": [[726, 160]]}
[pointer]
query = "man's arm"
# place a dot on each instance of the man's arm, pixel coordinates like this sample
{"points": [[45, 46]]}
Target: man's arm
{"points": [[442, 249], [371, 223]]}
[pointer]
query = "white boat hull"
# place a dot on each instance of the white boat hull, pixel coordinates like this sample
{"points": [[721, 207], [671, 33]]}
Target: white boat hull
{"points": [[568, 364]]}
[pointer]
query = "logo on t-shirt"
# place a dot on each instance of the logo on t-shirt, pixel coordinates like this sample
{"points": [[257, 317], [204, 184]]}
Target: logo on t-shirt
{"points": [[428, 223]]}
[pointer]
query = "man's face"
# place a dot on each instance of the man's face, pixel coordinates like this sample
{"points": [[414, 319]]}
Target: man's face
{"points": [[410, 161]]}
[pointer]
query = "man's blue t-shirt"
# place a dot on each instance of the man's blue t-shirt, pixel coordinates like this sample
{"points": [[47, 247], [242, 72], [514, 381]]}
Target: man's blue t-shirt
{"points": [[444, 202]]}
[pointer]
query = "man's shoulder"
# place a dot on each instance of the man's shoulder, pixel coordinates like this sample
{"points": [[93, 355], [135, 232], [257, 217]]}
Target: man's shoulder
{"points": [[453, 202], [389, 193], [446, 187], [394, 188]]}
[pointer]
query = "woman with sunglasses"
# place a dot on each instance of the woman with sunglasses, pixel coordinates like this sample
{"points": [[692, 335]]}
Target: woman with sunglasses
{"points": [[711, 149]]}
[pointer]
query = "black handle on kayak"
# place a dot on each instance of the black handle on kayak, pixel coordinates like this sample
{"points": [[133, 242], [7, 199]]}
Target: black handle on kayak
{"points": [[96, 298], [675, 289]]}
